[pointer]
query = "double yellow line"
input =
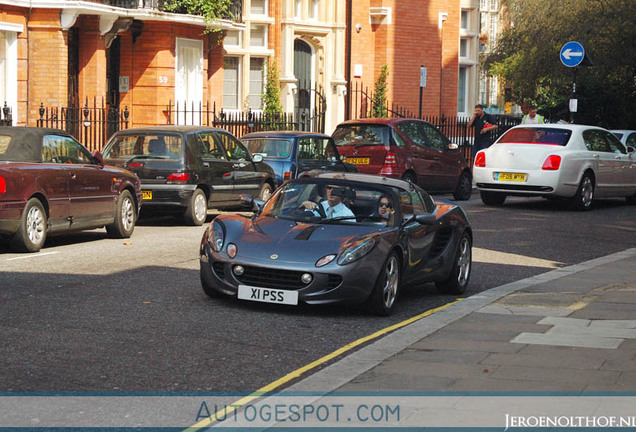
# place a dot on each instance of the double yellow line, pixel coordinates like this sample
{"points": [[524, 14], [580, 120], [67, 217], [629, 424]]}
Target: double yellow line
{"points": [[300, 371]]}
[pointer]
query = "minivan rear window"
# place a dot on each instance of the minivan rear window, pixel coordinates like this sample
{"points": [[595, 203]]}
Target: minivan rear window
{"points": [[269, 147], [148, 146], [546, 136], [361, 135]]}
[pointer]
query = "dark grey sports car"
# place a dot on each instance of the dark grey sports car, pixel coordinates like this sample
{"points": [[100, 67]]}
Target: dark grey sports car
{"points": [[338, 238]]}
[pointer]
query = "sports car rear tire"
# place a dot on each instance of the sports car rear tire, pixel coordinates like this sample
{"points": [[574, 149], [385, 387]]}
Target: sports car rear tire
{"points": [[464, 187], [31, 233], [197, 209], [492, 198], [459, 276], [382, 299]]}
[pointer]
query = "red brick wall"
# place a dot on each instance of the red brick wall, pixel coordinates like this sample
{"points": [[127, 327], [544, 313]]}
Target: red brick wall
{"points": [[18, 16], [412, 39]]}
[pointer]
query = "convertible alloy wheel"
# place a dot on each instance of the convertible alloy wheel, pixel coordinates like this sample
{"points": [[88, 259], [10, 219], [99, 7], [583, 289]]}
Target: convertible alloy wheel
{"points": [[383, 297], [125, 217], [31, 233]]}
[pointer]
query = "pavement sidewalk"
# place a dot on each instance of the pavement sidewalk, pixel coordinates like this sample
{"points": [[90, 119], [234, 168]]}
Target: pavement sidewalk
{"points": [[568, 330]]}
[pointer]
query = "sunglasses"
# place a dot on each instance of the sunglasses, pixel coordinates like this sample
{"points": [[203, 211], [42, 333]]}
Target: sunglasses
{"points": [[385, 205]]}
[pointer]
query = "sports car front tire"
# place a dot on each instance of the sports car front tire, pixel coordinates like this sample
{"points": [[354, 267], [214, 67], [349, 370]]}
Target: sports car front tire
{"points": [[207, 289], [382, 300]]}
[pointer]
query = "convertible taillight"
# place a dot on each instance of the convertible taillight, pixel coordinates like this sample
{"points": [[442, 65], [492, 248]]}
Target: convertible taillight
{"points": [[179, 177], [389, 164], [552, 163], [480, 160], [3, 185]]}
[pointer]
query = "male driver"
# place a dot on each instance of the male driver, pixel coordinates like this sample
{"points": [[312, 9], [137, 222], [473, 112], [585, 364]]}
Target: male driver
{"points": [[483, 123], [333, 205], [532, 117]]}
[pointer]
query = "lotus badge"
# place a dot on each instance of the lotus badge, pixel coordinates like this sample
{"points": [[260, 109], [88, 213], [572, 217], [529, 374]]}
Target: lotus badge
{"points": [[273, 256]]}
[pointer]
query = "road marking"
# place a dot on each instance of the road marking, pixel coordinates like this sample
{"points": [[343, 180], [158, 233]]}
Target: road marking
{"points": [[495, 257], [300, 371], [31, 256]]}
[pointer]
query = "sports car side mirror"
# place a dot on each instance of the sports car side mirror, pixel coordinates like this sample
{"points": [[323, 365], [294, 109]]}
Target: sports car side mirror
{"points": [[248, 200], [630, 149], [256, 158], [425, 218], [99, 159], [452, 146]]}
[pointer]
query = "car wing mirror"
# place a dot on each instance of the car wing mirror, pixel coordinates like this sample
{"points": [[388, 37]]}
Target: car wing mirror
{"points": [[99, 159], [452, 146], [257, 157], [426, 218], [630, 149], [248, 201]]}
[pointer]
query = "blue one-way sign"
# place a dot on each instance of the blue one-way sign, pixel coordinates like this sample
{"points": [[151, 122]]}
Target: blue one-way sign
{"points": [[572, 54]]}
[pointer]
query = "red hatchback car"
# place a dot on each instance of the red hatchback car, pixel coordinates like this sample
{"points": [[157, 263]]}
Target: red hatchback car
{"points": [[407, 149]]}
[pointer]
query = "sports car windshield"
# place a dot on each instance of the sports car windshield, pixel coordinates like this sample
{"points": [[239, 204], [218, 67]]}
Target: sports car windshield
{"points": [[546, 136], [331, 203]]}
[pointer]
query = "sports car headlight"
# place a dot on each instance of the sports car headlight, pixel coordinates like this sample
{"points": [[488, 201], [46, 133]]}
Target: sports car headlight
{"points": [[217, 236], [356, 251]]}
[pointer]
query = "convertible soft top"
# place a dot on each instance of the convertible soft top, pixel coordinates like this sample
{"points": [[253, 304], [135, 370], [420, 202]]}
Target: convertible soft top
{"points": [[24, 144]]}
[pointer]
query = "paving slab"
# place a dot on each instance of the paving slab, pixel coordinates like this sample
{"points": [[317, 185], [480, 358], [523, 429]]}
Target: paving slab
{"points": [[556, 375]]}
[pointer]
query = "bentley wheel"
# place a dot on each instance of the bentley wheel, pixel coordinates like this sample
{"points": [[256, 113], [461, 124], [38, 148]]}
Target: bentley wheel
{"points": [[382, 300], [464, 187], [31, 233], [457, 280], [197, 209], [584, 194], [125, 216]]}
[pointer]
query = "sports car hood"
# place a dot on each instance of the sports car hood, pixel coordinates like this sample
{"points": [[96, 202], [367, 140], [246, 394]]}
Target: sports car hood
{"points": [[292, 242]]}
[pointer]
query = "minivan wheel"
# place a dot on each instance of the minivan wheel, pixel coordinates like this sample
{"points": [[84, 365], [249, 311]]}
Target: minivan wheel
{"points": [[197, 209], [266, 192], [464, 187]]}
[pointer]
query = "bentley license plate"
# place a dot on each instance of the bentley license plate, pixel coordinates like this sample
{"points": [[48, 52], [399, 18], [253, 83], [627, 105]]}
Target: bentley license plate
{"points": [[514, 177], [147, 195], [267, 295], [357, 161]]}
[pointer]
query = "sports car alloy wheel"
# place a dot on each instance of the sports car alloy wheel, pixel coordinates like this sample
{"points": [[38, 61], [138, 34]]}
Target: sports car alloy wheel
{"points": [[457, 280], [382, 299]]}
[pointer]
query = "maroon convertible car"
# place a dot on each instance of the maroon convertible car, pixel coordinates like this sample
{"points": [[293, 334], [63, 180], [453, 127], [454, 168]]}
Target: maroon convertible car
{"points": [[51, 184]]}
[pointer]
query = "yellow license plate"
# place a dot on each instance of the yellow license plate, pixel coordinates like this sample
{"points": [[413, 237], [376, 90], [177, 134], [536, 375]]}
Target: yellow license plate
{"points": [[357, 161], [514, 177], [147, 195]]}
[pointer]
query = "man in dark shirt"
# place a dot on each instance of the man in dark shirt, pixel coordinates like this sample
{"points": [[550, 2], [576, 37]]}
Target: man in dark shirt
{"points": [[483, 123]]}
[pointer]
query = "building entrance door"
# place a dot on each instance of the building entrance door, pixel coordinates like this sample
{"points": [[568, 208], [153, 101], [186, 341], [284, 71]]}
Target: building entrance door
{"points": [[303, 73]]}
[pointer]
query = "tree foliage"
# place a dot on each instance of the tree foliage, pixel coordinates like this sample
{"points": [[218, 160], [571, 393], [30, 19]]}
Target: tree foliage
{"points": [[379, 93], [527, 58], [211, 10], [271, 97]]}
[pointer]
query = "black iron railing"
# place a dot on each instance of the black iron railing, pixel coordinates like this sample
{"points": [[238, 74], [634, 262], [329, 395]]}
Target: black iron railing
{"points": [[91, 125], [135, 4], [238, 123], [6, 117]]}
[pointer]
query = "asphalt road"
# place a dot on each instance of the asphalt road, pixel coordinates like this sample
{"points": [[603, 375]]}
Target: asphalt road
{"points": [[90, 313]]}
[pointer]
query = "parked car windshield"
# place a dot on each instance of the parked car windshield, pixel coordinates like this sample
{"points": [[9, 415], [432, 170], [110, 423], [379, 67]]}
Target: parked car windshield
{"points": [[146, 146], [289, 202], [549, 136], [276, 148], [361, 135]]}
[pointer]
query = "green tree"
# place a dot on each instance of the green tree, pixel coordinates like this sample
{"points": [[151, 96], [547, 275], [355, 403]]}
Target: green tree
{"points": [[379, 93], [271, 97], [211, 10], [527, 58]]}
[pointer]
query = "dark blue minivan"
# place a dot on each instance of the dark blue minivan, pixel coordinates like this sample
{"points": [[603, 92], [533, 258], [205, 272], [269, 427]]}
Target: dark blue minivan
{"points": [[292, 153]]}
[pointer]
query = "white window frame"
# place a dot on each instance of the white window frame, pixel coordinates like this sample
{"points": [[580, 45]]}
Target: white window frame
{"points": [[179, 86], [240, 40], [239, 83], [298, 9], [466, 70], [10, 84], [265, 8], [263, 78], [265, 37], [315, 10]]}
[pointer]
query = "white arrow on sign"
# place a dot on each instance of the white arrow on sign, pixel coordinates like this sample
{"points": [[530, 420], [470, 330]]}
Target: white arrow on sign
{"points": [[569, 53]]}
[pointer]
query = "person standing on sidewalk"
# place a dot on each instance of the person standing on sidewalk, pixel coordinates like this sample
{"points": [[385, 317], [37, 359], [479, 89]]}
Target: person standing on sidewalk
{"points": [[483, 123], [532, 117]]}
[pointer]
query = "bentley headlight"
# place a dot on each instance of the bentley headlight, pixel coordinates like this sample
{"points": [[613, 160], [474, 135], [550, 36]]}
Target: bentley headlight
{"points": [[356, 251], [217, 236]]}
